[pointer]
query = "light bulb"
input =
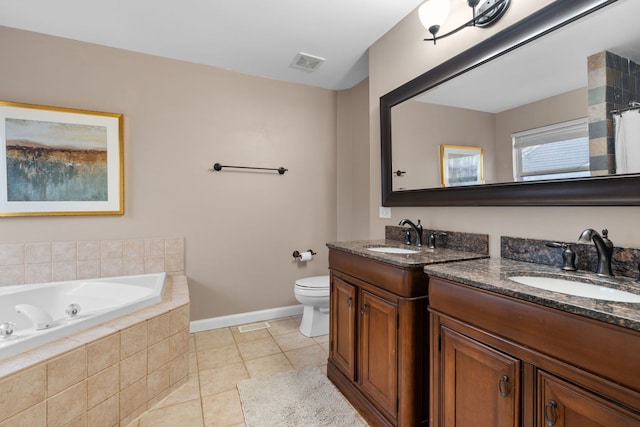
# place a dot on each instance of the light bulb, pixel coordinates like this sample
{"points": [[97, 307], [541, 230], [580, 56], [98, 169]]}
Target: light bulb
{"points": [[433, 13]]}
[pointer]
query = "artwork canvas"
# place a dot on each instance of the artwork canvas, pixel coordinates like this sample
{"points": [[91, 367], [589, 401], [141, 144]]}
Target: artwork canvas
{"points": [[461, 165], [60, 161]]}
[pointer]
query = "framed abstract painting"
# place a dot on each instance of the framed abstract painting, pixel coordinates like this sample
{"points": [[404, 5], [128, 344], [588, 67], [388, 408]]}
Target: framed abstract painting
{"points": [[60, 161]]}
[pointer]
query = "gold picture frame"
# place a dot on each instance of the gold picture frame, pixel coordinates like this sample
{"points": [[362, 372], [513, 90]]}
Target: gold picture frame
{"points": [[60, 161], [461, 165]]}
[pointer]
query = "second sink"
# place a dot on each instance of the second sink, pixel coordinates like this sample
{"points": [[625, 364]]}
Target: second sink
{"points": [[392, 250], [576, 288]]}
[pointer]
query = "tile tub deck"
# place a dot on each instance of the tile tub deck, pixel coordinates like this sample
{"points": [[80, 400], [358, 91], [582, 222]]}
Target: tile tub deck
{"points": [[107, 375]]}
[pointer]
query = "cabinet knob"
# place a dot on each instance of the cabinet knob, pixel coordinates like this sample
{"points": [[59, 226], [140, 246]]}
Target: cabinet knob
{"points": [[349, 301], [503, 386], [363, 309], [551, 413]]}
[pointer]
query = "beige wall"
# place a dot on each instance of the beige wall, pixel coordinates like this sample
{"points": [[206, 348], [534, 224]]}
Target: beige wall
{"points": [[420, 128], [240, 228], [400, 56], [353, 163]]}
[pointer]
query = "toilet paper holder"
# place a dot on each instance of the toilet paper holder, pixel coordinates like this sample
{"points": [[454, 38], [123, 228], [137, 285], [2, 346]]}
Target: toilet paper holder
{"points": [[297, 254]]}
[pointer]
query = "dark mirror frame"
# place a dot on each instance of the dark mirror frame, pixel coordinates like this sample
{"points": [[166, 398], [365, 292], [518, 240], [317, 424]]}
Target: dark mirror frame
{"points": [[612, 190]]}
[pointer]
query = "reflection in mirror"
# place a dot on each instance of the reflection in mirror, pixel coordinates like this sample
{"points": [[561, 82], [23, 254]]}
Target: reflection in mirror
{"points": [[461, 165], [627, 135], [555, 151], [553, 98]]}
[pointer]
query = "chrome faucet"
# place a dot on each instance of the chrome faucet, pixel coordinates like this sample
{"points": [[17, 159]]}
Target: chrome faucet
{"points": [[40, 318], [604, 247], [417, 228]]}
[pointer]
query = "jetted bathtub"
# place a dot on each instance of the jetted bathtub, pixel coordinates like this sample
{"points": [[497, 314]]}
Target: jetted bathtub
{"points": [[99, 300]]}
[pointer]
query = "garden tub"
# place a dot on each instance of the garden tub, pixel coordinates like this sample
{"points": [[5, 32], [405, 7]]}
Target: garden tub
{"points": [[41, 313]]}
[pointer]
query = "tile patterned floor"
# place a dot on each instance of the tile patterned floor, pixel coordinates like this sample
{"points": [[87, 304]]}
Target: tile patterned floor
{"points": [[220, 358]]}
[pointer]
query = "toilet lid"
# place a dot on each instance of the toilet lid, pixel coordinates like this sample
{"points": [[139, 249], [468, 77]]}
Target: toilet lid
{"points": [[315, 282]]}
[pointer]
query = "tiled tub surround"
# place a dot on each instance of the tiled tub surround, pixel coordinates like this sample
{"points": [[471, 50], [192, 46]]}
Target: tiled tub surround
{"points": [[45, 262], [106, 375], [109, 374], [493, 275], [625, 261]]}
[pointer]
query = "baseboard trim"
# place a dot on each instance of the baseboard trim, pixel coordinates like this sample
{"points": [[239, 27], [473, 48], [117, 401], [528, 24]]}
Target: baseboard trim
{"points": [[242, 318]]}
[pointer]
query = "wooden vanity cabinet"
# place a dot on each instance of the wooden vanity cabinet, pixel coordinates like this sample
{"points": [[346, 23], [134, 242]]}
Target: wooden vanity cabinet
{"points": [[480, 385], [498, 361], [342, 333], [378, 333], [378, 339], [561, 403]]}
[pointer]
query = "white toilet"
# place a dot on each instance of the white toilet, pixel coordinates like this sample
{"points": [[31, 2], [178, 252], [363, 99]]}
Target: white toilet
{"points": [[313, 293]]}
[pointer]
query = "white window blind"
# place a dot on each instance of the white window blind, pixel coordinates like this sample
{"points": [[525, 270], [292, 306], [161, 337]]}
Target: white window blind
{"points": [[552, 152]]}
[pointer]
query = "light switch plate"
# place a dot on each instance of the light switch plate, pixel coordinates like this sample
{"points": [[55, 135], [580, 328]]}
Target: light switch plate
{"points": [[385, 212]]}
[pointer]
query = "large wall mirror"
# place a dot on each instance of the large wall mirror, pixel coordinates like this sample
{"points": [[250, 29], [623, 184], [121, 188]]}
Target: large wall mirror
{"points": [[468, 132]]}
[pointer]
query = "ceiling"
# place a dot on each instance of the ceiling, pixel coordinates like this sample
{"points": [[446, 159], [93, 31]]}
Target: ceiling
{"points": [[255, 37]]}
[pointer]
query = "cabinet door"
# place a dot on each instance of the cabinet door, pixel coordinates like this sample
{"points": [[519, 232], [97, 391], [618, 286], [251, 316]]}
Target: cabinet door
{"points": [[561, 404], [379, 341], [480, 385], [343, 326]]}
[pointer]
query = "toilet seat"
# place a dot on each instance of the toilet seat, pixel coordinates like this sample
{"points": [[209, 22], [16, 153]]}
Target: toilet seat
{"points": [[315, 282]]}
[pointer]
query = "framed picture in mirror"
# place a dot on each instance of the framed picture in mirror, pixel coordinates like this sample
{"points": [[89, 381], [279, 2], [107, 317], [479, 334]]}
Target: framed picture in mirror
{"points": [[461, 165]]}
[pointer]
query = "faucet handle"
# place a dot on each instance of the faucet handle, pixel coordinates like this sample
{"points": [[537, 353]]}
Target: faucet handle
{"points": [[73, 310], [6, 331], [407, 236], [568, 255], [568, 258], [432, 238]]}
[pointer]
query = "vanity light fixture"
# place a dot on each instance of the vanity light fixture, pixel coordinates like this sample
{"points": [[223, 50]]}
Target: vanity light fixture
{"points": [[433, 13]]}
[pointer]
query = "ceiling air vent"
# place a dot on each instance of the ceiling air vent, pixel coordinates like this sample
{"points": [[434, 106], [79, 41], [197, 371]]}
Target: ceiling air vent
{"points": [[306, 62]]}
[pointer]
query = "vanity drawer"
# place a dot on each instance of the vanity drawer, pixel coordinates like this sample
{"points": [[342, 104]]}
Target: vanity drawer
{"points": [[403, 282]]}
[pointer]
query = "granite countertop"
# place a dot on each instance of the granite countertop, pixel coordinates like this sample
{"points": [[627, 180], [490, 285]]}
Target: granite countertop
{"points": [[425, 256], [492, 275]]}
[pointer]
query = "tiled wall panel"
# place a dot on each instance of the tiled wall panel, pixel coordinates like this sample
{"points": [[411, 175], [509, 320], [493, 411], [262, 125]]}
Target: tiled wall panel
{"points": [[88, 259], [614, 81]]}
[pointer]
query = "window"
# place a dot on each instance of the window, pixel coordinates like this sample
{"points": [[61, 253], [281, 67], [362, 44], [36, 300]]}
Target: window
{"points": [[552, 152]]}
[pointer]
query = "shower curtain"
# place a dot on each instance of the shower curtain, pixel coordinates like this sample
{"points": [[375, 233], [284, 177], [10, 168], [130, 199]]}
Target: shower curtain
{"points": [[627, 141]]}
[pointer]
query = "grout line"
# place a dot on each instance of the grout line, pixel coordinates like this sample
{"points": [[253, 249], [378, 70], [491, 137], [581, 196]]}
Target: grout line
{"points": [[242, 359]]}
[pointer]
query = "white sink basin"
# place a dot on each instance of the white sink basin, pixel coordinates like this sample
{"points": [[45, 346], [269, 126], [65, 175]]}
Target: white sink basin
{"points": [[392, 250], [579, 289]]}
